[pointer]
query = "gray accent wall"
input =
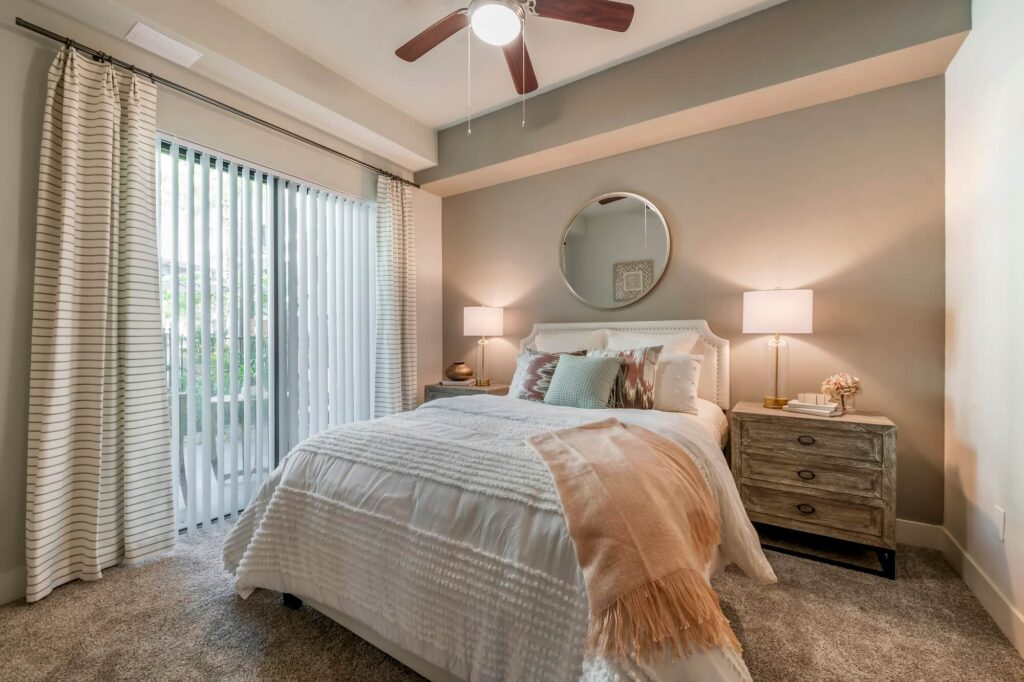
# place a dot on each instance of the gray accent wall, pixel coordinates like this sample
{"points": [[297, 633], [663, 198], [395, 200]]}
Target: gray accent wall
{"points": [[788, 41], [845, 198]]}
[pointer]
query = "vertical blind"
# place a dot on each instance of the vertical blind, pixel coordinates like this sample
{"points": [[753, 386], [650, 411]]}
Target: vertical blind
{"points": [[267, 287], [327, 330]]}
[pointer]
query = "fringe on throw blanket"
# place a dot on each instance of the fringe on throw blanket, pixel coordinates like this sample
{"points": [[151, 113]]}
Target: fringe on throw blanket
{"points": [[675, 614], [645, 526]]}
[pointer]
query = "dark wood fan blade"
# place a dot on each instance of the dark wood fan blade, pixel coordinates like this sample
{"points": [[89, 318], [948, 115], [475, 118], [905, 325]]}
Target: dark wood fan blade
{"points": [[614, 16], [427, 40], [515, 56], [608, 200]]}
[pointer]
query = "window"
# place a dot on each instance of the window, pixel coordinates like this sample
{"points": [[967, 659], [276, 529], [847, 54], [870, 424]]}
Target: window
{"points": [[268, 318]]}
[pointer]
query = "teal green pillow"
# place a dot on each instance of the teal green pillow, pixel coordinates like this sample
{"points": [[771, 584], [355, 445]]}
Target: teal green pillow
{"points": [[583, 382]]}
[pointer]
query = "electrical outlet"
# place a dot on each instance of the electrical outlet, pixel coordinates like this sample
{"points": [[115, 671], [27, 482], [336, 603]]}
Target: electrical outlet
{"points": [[1001, 523]]}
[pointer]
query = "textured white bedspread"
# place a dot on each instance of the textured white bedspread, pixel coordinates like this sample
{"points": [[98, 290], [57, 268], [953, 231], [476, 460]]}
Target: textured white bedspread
{"points": [[440, 529]]}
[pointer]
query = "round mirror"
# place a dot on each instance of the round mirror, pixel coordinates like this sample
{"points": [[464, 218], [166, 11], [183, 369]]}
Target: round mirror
{"points": [[614, 250]]}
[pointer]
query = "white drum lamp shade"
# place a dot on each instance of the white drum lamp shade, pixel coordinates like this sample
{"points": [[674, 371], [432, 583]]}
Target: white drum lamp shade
{"points": [[780, 311], [776, 312], [482, 321]]}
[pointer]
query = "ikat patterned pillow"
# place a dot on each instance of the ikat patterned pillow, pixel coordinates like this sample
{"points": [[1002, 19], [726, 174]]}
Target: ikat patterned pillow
{"points": [[634, 387], [534, 370]]}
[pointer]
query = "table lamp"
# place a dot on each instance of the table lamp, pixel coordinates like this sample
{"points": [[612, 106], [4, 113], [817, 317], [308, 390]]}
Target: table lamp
{"points": [[776, 312], [482, 321]]}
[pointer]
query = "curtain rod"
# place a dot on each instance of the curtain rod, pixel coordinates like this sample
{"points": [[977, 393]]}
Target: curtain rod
{"points": [[102, 56]]}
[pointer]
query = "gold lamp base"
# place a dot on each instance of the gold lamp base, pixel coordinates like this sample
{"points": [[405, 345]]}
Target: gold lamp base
{"points": [[483, 382], [775, 403]]}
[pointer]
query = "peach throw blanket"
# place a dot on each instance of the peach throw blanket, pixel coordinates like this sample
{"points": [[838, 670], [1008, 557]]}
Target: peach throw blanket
{"points": [[645, 526]]}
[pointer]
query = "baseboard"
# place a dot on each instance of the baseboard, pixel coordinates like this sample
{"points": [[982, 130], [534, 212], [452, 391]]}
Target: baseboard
{"points": [[12, 584], [1009, 619], [917, 534]]}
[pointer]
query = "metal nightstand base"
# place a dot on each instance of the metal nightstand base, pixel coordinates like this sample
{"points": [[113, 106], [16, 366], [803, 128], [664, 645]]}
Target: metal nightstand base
{"points": [[886, 556]]}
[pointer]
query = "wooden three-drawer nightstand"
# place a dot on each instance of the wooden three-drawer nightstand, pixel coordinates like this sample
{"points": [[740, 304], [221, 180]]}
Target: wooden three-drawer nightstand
{"points": [[434, 391], [829, 476]]}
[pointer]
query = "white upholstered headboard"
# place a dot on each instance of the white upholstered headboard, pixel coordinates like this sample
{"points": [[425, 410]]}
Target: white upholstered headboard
{"points": [[714, 376]]}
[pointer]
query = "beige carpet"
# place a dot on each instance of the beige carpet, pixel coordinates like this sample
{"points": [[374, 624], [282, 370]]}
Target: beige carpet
{"points": [[178, 619]]}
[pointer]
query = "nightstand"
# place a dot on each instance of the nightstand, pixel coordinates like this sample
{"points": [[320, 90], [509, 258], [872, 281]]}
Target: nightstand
{"points": [[434, 391], [828, 476]]}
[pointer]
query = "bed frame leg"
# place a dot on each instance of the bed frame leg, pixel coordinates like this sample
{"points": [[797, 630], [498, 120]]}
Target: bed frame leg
{"points": [[291, 601]]}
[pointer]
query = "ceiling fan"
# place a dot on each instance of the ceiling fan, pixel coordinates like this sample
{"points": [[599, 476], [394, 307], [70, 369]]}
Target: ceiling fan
{"points": [[500, 23]]}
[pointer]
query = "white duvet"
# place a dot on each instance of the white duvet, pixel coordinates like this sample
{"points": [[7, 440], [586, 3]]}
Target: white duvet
{"points": [[440, 530]]}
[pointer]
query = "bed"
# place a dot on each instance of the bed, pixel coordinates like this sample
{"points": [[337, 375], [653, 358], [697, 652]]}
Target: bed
{"points": [[436, 534]]}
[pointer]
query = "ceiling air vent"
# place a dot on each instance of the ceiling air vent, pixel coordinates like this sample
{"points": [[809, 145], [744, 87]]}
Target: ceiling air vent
{"points": [[165, 46]]}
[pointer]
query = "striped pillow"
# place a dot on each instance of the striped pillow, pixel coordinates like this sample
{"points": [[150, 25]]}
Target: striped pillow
{"points": [[634, 387], [533, 374], [583, 382]]}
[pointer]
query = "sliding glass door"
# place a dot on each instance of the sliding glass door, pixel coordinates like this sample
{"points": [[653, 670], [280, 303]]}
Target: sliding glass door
{"points": [[267, 288], [326, 259]]}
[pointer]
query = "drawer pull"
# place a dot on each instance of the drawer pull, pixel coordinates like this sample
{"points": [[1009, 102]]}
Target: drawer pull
{"points": [[805, 440], [805, 508], [805, 474]]}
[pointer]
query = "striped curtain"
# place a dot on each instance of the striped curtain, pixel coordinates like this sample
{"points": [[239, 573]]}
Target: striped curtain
{"points": [[394, 381], [99, 474]]}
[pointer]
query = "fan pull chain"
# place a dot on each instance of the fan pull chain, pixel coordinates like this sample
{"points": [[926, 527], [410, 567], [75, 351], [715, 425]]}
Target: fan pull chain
{"points": [[469, 82], [523, 72], [645, 226]]}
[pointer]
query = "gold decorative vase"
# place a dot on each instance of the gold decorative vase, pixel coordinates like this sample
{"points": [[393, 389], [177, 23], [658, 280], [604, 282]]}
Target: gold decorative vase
{"points": [[459, 371]]}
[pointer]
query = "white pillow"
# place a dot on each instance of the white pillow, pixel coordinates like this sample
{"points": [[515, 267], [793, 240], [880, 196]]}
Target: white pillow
{"points": [[567, 342], [676, 383], [672, 344]]}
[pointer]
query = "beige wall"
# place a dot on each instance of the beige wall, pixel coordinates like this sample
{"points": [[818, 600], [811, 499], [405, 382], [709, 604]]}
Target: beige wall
{"points": [[21, 112], [984, 297], [845, 198], [25, 60]]}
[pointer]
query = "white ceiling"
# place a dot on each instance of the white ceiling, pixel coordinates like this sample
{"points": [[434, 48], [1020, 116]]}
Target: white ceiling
{"points": [[357, 40]]}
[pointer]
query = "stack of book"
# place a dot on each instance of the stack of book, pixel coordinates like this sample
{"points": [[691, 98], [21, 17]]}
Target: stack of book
{"points": [[804, 405]]}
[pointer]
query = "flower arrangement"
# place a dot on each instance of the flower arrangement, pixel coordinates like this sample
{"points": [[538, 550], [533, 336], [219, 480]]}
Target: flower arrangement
{"points": [[840, 386]]}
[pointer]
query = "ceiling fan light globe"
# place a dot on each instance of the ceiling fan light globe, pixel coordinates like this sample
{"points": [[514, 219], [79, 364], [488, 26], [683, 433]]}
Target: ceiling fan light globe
{"points": [[495, 23]]}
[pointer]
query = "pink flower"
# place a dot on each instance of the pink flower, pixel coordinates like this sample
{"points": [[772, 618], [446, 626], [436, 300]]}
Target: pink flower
{"points": [[839, 385]]}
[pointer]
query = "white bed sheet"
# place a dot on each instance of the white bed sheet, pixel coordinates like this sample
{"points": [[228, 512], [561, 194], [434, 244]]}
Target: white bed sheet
{"points": [[709, 416], [714, 419], [393, 539]]}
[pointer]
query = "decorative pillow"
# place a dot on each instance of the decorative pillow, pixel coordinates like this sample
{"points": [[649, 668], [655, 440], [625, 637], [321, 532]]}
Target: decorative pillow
{"points": [[676, 342], [583, 382], [675, 389], [533, 374], [564, 342], [634, 387]]}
